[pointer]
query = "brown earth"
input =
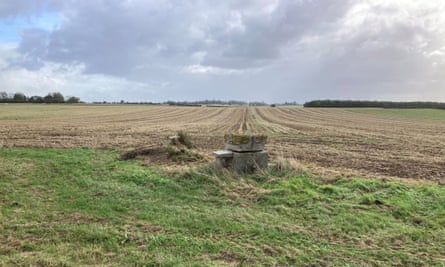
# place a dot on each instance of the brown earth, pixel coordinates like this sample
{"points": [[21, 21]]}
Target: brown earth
{"points": [[329, 142]]}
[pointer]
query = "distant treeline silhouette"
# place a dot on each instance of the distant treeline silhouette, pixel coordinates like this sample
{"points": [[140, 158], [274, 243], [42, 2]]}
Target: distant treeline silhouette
{"points": [[371, 104], [215, 102], [55, 97], [189, 103]]}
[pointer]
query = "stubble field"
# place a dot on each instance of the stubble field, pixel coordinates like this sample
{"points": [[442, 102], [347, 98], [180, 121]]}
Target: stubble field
{"points": [[395, 144]]}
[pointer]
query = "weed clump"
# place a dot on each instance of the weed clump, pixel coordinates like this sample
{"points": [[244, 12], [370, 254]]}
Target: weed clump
{"points": [[171, 151], [180, 148], [177, 154], [185, 139]]}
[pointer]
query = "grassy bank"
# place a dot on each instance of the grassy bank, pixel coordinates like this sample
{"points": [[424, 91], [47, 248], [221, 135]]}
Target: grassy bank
{"points": [[85, 207]]}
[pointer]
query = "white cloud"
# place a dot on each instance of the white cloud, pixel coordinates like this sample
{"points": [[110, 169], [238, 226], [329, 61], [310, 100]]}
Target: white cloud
{"points": [[8, 54], [71, 80], [200, 69]]}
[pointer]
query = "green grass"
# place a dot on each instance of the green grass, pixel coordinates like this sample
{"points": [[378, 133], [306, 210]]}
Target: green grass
{"points": [[82, 207], [429, 114]]}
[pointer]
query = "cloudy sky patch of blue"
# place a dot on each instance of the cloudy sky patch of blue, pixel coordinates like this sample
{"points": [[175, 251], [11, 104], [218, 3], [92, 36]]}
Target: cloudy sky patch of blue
{"points": [[11, 28]]}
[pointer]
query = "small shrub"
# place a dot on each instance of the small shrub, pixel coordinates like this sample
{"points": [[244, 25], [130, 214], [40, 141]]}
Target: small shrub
{"points": [[191, 156], [171, 152], [185, 139], [183, 155]]}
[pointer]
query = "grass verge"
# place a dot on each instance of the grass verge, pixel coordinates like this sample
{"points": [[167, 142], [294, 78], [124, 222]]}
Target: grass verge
{"points": [[86, 207]]}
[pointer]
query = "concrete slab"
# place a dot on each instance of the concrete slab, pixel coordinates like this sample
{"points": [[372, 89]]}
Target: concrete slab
{"points": [[223, 154], [224, 158], [244, 143]]}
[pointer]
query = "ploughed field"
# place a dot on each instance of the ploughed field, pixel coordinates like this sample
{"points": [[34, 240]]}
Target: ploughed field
{"points": [[402, 144]]}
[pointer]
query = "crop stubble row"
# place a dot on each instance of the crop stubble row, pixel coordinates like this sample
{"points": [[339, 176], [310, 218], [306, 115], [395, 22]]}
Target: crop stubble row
{"points": [[328, 141]]}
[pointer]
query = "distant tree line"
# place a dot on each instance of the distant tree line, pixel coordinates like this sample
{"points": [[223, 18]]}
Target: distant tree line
{"points": [[293, 103], [215, 102], [371, 104], [125, 102], [189, 103], [55, 97]]}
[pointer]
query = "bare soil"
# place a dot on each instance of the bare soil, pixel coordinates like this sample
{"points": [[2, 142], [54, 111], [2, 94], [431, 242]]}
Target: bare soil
{"points": [[331, 142]]}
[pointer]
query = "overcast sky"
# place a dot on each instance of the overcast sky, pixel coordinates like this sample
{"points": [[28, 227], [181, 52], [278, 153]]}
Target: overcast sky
{"points": [[252, 50]]}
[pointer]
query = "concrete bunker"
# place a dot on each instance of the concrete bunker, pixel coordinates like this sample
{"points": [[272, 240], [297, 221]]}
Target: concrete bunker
{"points": [[243, 153]]}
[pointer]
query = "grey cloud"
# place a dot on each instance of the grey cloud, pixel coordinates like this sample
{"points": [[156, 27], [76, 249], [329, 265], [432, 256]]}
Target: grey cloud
{"points": [[14, 8], [379, 58], [266, 33], [33, 48], [114, 37], [282, 50]]}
